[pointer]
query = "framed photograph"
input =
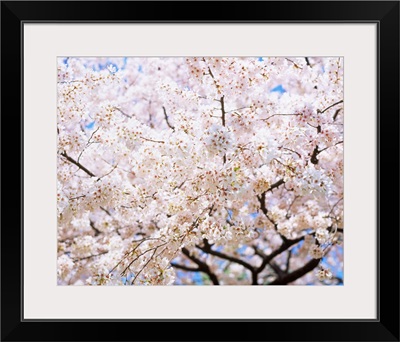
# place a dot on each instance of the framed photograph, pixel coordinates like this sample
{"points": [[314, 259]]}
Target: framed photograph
{"points": [[197, 163]]}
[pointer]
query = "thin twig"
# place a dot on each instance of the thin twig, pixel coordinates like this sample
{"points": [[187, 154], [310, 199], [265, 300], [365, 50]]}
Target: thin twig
{"points": [[288, 149], [296, 66], [114, 167], [222, 110], [336, 114], [145, 265], [280, 115], [290, 206], [87, 144], [156, 141], [340, 199], [223, 119], [167, 120], [340, 142], [90, 256], [336, 103], [122, 112]]}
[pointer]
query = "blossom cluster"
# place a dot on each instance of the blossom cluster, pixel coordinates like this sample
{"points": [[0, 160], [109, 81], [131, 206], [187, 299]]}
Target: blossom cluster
{"points": [[170, 167]]}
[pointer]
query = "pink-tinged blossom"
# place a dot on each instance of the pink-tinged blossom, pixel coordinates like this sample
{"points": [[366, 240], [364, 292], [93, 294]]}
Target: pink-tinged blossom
{"points": [[171, 166]]}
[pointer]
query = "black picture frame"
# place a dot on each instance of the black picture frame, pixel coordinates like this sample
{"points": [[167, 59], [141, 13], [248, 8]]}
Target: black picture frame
{"points": [[15, 328]]}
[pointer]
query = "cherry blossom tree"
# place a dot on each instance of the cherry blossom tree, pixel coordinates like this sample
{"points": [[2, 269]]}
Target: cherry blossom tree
{"points": [[200, 171]]}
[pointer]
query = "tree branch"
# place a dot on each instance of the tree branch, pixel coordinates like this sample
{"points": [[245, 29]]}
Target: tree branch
{"points": [[155, 141], [90, 256], [223, 119], [340, 142], [222, 110], [207, 249], [288, 260], [336, 114], [227, 257], [276, 185], [296, 65], [73, 161], [145, 265], [288, 149], [314, 155], [290, 277], [166, 119], [122, 112], [88, 143], [316, 152], [96, 231], [281, 249], [264, 209], [203, 267], [185, 268], [279, 115], [323, 111], [279, 272]]}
